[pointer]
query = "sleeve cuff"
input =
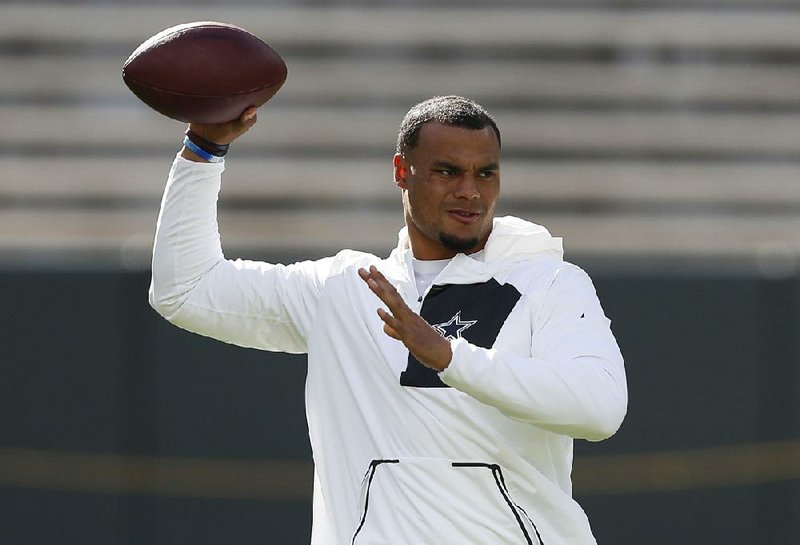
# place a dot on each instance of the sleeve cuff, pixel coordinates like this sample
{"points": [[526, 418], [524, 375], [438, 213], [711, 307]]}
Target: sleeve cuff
{"points": [[203, 168]]}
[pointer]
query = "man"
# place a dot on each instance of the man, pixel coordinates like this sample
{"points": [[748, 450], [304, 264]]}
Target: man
{"points": [[446, 383]]}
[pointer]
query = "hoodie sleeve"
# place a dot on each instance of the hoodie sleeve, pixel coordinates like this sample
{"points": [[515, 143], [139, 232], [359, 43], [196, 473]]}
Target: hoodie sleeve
{"points": [[574, 384], [248, 303]]}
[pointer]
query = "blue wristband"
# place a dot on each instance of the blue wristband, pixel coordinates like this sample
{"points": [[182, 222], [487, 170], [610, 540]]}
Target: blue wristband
{"points": [[200, 152]]}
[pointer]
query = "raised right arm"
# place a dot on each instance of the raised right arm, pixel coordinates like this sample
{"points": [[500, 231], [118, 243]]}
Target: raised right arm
{"points": [[253, 304]]}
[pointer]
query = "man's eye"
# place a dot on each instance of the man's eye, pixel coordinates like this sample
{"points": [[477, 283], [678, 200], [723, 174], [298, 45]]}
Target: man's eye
{"points": [[446, 171], [488, 173]]}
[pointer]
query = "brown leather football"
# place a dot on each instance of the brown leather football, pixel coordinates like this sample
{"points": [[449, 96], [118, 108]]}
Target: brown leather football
{"points": [[204, 72]]}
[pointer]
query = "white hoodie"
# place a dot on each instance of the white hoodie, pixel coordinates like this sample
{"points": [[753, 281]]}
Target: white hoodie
{"points": [[480, 453]]}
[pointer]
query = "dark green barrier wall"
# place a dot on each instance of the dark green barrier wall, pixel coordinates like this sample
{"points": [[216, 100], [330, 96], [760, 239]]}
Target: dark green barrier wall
{"points": [[96, 390], [712, 361]]}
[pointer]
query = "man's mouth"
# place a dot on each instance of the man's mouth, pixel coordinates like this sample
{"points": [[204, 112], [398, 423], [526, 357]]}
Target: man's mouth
{"points": [[464, 215]]}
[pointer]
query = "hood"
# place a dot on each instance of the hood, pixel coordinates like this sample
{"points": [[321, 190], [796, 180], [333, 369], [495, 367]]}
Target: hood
{"points": [[511, 240], [510, 237], [514, 237]]}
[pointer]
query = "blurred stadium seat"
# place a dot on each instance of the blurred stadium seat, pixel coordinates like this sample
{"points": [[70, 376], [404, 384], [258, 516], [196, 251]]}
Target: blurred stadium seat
{"points": [[646, 128]]}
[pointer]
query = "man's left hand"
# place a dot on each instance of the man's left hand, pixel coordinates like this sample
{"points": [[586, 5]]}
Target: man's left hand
{"points": [[405, 325]]}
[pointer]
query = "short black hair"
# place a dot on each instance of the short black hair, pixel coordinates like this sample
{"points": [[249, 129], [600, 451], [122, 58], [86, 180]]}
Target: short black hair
{"points": [[449, 110]]}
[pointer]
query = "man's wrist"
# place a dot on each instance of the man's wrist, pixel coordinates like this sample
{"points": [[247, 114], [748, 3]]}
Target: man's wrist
{"points": [[187, 154], [442, 357], [217, 150], [198, 154]]}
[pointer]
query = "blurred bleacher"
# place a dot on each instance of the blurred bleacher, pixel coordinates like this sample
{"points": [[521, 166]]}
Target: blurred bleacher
{"points": [[634, 129]]}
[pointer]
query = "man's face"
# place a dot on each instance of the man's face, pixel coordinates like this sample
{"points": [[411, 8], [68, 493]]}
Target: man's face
{"points": [[450, 182]]}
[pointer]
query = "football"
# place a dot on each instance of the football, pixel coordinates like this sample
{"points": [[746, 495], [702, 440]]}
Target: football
{"points": [[204, 72]]}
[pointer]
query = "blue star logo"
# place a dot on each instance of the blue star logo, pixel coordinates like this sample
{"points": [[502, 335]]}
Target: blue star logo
{"points": [[453, 328]]}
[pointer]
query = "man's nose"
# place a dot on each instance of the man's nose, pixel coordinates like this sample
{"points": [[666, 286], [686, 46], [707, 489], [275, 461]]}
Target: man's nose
{"points": [[467, 187]]}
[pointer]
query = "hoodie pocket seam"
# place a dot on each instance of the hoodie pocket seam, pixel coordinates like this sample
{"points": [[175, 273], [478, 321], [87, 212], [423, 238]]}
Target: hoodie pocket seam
{"points": [[373, 466], [497, 474]]}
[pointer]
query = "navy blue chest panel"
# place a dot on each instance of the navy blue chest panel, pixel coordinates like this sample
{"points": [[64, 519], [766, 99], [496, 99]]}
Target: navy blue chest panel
{"points": [[475, 312]]}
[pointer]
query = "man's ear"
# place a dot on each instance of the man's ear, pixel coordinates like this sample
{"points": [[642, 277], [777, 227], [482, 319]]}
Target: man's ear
{"points": [[400, 170]]}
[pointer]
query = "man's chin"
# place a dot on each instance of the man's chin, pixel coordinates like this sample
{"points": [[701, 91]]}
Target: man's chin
{"points": [[458, 244]]}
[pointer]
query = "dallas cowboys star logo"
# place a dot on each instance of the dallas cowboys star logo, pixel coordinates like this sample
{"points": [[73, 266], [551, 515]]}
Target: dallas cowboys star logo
{"points": [[453, 328]]}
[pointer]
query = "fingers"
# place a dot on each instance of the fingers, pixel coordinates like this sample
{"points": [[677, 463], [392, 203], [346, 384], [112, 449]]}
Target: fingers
{"points": [[246, 120], [390, 324], [250, 115], [387, 328], [399, 314], [376, 281], [403, 324], [385, 291], [225, 133]]}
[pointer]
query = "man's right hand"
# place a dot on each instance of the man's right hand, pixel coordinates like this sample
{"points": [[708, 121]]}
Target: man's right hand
{"points": [[222, 133]]}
